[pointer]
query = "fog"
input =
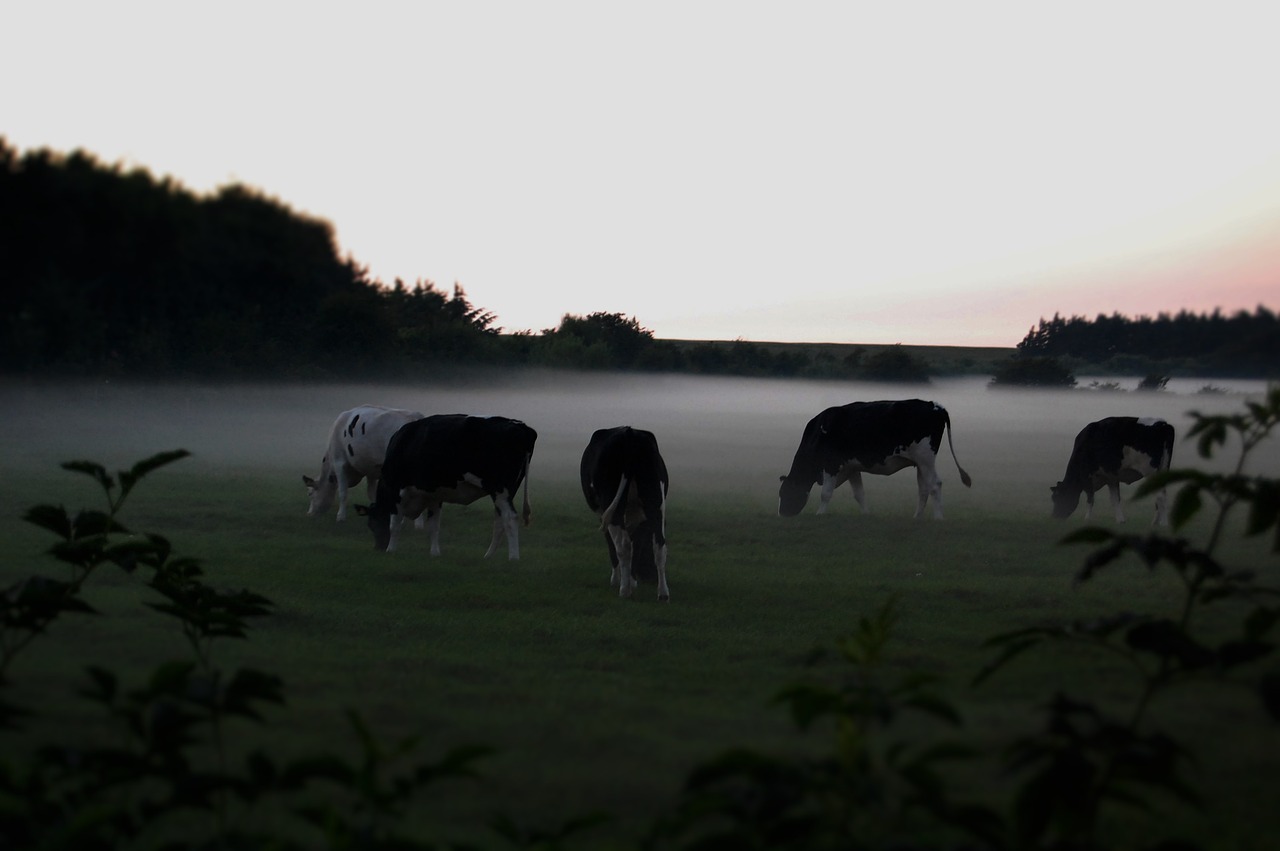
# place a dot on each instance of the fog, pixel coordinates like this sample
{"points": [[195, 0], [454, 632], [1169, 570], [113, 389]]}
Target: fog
{"points": [[718, 435]]}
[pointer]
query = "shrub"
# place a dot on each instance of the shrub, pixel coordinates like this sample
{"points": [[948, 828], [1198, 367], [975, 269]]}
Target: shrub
{"points": [[172, 758], [895, 364], [1034, 372]]}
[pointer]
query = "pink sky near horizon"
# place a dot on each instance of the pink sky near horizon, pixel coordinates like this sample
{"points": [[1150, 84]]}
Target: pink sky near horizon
{"points": [[820, 172]]}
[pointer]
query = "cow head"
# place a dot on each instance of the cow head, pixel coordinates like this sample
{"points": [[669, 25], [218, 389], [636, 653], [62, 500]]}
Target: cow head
{"points": [[1065, 500], [791, 497], [320, 493], [378, 519]]}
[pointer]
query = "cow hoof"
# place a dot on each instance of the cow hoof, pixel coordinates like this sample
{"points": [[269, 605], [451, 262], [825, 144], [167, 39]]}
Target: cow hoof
{"points": [[664, 598]]}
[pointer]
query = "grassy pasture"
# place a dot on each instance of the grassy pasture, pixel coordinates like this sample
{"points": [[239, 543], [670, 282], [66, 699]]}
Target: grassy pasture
{"points": [[593, 702]]}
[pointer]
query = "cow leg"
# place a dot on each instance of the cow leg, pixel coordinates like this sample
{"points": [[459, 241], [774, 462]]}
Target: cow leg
{"points": [[1088, 504], [1114, 487], [396, 521], [829, 483], [660, 551], [432, 526], [505, 522], [859, 493], [340, 472], [660, 560], [622, 546], [614, 577], [928, 484], [1162, 508]]}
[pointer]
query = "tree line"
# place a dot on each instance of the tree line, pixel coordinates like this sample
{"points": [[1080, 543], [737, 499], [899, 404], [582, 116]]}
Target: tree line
{"points": [[111, 271], [1242, 344]]}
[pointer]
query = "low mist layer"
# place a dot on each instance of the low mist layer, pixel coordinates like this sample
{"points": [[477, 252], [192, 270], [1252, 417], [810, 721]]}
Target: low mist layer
{"points": [[718, 435]]}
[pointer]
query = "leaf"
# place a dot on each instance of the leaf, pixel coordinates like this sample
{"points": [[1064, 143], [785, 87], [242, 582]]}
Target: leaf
{"points": [[171, 677], [127, 554], [1168, 640], [936, 707], [458, 762], [1186, 505], [808, 703], [134, 474], [93, 470], [247, 686], [54, 518], [89, 523], [1260, 621], [322, 767], [102, 687], [1232, 654], [1264, 512], [1212, 432], [1269, 692], [1012, 650]]}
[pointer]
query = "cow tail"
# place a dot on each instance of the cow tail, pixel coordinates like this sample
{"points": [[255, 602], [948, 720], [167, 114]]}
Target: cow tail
{"points": [[525, 511], [964, 477], [607, 515]]}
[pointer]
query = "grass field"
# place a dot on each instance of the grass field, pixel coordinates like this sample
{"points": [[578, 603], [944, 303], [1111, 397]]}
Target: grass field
{"points": [[596, 703]]}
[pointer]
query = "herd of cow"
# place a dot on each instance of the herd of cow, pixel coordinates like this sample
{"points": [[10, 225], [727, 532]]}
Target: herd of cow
{"points": [[414, 464]]}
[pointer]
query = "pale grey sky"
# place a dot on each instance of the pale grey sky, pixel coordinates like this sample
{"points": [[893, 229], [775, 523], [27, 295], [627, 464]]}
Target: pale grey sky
{"points": [[922, 173]]}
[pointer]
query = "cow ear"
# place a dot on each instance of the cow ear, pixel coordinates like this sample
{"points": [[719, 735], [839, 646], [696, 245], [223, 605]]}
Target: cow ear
{"points": [[782, 478], [362, 510], [308, 481]]}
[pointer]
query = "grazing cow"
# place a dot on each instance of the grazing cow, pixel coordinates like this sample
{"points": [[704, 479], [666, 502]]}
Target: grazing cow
{"points": [[842, 443], [625, 482], [452, 458], [1111, 451], [357, 445]]}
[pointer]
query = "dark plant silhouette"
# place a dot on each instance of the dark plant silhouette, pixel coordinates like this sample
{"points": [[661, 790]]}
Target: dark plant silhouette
{"points": [[877, 788], [173, 757], [1034, 372]]}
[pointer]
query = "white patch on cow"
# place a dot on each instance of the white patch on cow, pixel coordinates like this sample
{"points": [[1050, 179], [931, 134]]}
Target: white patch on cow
{"points": [[1134, 466], [506, 522], [354, 454], [660, 553], [919, 455], [413, 503]]}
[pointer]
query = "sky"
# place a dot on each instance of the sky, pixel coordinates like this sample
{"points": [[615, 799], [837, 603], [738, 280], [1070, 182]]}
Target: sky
{"points": [[928, 173]]}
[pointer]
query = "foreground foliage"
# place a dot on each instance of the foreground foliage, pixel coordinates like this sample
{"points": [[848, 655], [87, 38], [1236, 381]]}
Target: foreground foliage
{"points": [[172, 772], [876, 788]]}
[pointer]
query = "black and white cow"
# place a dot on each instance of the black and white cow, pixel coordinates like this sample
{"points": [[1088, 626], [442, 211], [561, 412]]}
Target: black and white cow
{"points": [[881, 438], [357, 444], [625, 482], [453, 458], [1111, 451]]}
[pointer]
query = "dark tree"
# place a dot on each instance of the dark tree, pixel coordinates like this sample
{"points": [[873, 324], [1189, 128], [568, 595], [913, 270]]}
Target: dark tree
{"points": [[1034, 372]]}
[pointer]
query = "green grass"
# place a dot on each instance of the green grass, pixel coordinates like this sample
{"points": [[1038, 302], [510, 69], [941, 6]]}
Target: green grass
{"points": [[596, 703]]}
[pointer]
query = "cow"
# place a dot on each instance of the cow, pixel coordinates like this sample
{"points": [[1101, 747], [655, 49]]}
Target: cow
{"points": [[357, 445], [881, 438], [453, 458], [625, 482], [1108, 452]]}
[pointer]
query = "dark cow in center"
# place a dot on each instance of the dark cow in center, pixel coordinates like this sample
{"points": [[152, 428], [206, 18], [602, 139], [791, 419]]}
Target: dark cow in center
{"points": [[1111, 451], [453, 458], [625, 482], [881, 438]]}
